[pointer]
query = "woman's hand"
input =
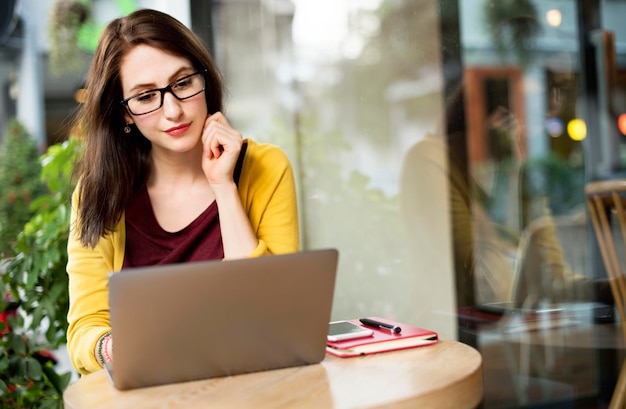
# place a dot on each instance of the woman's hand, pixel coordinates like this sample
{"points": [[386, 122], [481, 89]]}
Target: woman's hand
{"points": [[222, 145]]}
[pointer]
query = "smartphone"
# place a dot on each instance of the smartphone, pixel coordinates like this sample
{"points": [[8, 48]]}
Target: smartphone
{"points": [[342, 330]]}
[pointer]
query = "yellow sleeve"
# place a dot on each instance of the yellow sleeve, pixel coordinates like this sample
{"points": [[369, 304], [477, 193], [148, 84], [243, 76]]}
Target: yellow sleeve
{"points": [[268, 193], [88, 315]]}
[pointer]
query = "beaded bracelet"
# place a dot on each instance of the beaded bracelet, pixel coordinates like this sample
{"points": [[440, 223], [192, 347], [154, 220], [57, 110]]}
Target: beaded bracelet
{"points": [[105, 348], [99, 355]]}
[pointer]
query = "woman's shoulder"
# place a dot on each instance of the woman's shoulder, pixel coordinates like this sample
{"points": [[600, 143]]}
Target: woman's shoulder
{"points": [[264, 153]]}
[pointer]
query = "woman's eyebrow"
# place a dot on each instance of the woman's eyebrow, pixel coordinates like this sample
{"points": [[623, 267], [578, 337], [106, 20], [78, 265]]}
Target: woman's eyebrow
{"points": [[152, 85]]}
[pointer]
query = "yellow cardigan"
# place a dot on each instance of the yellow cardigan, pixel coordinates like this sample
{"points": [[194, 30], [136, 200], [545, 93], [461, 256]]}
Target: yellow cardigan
{"points": [[268, 194]]}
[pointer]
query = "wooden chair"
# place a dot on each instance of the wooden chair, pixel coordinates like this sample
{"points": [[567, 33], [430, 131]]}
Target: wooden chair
{"points": [[607, 201]]}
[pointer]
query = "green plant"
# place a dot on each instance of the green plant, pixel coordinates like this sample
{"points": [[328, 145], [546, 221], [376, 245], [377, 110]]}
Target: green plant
{"points": [[36, 277], [67, 17], [19, 184], [73, 32], [28, 379], [513, 25]]}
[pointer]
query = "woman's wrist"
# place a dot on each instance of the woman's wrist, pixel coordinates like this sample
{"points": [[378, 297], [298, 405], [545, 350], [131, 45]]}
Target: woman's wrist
{"points": [[225, 190]]}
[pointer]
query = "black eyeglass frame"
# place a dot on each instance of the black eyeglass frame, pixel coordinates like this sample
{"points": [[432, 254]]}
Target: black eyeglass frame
{"points": [[165, 89]]}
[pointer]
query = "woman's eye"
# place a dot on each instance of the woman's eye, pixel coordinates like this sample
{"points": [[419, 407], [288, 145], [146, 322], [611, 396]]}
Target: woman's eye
{"points": [[184, 83], [145, 98]]}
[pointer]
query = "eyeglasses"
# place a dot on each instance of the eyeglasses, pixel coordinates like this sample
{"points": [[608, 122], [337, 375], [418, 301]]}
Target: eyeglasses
{"points": [[183, 88]]}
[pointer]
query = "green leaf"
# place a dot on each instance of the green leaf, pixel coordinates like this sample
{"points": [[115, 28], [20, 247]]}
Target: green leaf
{"points": [[15, 321], [18, 344], [3, 388], [40, 202], [51, 403], [4, 363], [52, 333], [65, 380], [59, 382], [57, 290], [19, 367], [37, 316], [33, 369], [31, 278], [126, 6]]}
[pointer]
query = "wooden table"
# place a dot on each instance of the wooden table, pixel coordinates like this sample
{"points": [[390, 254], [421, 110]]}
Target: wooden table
{"points": [[445, 375]]}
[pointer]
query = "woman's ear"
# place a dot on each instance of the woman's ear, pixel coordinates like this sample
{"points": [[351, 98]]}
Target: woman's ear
{"points": [[129, 121]]}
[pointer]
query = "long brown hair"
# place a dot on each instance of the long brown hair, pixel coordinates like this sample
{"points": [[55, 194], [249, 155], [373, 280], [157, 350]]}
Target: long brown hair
{"points": [[114, 165]]}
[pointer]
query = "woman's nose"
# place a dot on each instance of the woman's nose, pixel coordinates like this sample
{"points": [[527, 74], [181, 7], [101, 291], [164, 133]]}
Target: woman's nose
{"points": [[171, 106]]}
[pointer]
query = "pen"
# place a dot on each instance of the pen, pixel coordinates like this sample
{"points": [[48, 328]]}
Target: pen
{"points": [[382, 325]]}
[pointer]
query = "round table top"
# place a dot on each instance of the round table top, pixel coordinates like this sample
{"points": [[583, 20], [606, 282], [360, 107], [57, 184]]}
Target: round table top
{"points": [[444, 375]]}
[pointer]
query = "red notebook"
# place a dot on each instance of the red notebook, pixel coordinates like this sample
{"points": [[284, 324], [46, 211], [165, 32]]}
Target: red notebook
{"points": [[382, 340]]}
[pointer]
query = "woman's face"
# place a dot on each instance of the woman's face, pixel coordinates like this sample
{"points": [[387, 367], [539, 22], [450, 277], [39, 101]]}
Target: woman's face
{"points": [[177, 125]]}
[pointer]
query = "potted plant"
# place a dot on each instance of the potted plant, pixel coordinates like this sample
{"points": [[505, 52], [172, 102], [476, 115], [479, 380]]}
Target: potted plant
{"points": [[513, 25], [67, 18], [36, 280], [19, 183]]}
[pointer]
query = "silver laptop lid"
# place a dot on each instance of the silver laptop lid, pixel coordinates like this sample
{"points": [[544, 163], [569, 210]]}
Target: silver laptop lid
{"points": [[199, 320]]}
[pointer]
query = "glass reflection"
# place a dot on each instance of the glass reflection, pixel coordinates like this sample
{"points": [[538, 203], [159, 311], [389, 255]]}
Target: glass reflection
{"points": [[434, 196]]}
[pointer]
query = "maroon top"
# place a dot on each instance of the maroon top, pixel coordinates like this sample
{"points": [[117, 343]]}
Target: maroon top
{"points": [[148, 244]]}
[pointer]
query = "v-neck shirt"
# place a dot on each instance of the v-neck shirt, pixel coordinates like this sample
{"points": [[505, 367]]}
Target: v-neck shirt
{"points": [[147, 243]]}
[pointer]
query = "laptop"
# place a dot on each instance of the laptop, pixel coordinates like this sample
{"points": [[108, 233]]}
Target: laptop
{"points": [[198, 320], [533, 283]]}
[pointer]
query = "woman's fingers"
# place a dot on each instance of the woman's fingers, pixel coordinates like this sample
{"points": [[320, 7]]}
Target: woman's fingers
{"points": [[222, 145], [219, 137], [220, 118]]}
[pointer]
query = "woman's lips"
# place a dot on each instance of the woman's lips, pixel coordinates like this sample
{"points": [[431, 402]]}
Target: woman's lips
{"points": [[177, 130]]}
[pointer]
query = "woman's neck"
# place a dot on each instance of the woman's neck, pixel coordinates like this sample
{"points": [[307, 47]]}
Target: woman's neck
{"points": [[176, 169], [179, 191]]}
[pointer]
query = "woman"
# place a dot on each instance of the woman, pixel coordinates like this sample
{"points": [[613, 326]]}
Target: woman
{"points": [[163, 178]]}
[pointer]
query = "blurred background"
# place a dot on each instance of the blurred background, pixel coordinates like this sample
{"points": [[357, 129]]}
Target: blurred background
{"points": [[431, 140]]}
